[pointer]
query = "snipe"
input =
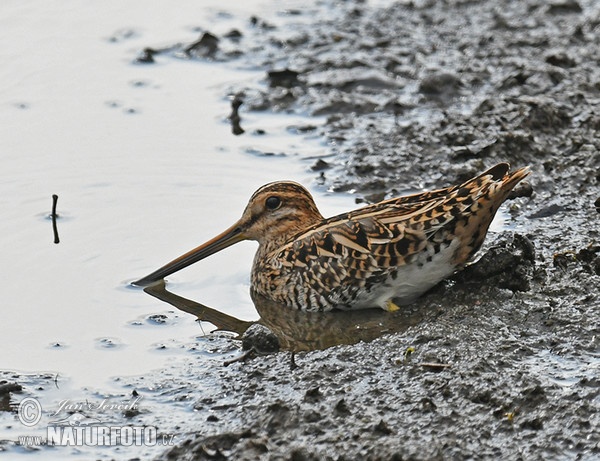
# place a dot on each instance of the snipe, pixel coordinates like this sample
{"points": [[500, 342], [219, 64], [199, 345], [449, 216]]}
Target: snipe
{"points": [[383, 255]]}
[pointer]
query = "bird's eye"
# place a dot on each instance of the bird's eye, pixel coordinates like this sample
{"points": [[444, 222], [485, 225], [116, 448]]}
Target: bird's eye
{"points": [[273, 202]]}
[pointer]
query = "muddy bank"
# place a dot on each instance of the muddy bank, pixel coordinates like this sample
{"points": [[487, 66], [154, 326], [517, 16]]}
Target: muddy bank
{"points": [[505, 361], [486, 373]]}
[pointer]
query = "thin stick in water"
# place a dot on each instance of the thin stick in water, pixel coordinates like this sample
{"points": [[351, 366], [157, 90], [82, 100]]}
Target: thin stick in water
{"points": [[54, 216]]}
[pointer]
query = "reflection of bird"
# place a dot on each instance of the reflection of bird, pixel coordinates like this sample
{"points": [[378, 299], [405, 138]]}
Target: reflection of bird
{"points": [[307, 331], [388, 252], [298, 330]]}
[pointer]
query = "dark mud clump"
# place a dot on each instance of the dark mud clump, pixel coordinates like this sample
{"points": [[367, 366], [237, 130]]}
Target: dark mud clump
{"points": [[6, 389], [504, 363], [509, 263]]}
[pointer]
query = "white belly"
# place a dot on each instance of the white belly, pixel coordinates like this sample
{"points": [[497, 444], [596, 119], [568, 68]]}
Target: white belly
{"points": [[411, 281]]}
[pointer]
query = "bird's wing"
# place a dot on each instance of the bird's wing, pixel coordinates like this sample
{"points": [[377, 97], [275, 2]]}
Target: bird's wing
{"points": [[349, 254], [383, 236], [390, 232]]}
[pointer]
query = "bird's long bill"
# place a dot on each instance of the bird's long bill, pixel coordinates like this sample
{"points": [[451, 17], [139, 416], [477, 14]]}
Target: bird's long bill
{"points": [[232, 235]]}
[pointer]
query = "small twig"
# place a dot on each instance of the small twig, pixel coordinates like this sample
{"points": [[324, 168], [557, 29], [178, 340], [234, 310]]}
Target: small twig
{"points": [[240, 358], [54, 202], [54, 216], [438, 366], [293, 364], [235, 118]]}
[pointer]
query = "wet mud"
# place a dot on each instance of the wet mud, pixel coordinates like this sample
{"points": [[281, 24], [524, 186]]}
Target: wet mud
{"points": [[503, 361]]}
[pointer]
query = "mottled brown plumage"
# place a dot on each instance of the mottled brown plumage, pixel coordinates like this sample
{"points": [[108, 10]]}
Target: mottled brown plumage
{"points": [[394, 250]]}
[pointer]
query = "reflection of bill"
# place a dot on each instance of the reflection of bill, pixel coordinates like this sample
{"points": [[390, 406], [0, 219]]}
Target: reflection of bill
{"points": [[30, 411], [76, 419]]}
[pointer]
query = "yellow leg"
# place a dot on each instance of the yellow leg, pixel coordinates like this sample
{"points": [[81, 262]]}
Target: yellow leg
{"points": [[390, 306]]}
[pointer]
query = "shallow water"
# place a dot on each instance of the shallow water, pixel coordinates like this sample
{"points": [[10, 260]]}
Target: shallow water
{"points": [[145, 167]]}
